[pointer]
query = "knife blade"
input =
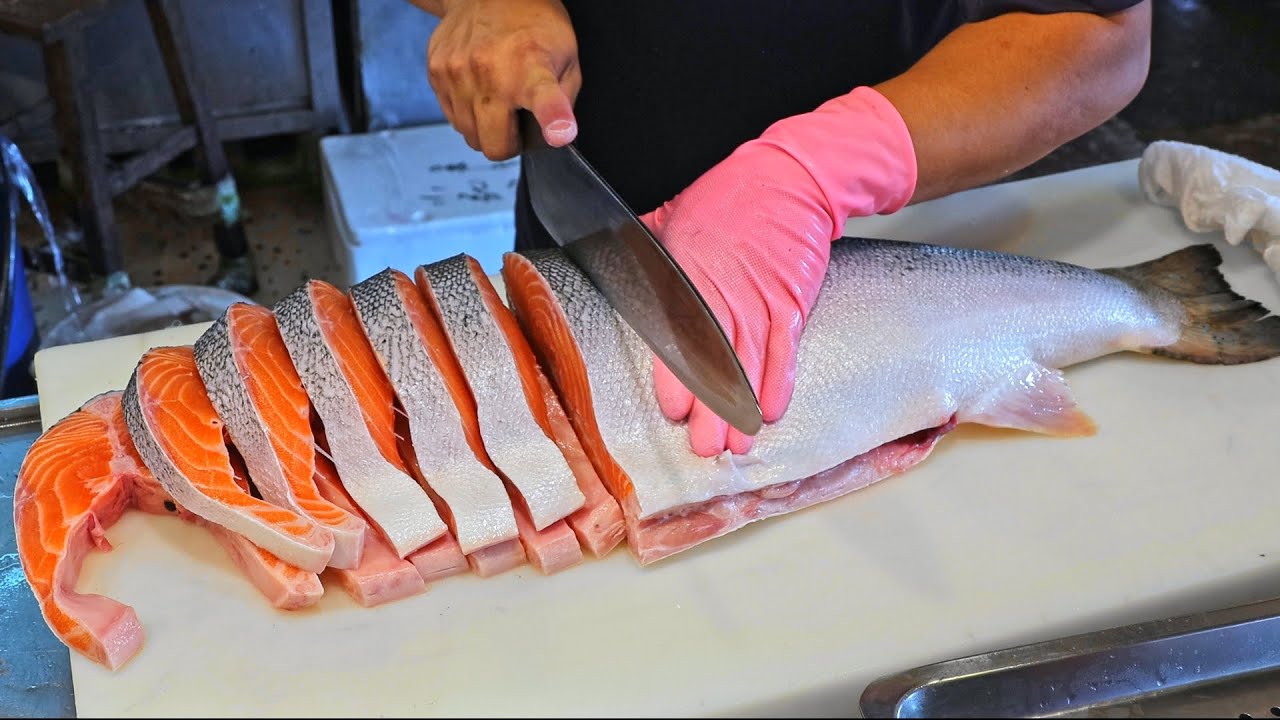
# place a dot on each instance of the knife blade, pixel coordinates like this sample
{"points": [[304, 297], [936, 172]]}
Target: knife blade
{"points": [[636, 274]]}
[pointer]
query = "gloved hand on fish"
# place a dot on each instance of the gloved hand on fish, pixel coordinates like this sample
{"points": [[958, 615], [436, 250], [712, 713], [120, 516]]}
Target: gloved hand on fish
{"points": [[412, 429]]}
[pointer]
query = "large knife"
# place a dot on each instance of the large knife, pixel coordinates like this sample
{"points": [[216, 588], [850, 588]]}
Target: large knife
{"points": [[634, 272]]}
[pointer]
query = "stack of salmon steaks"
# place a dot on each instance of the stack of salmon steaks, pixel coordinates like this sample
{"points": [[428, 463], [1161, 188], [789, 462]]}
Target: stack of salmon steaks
{"points": [[410, 429]]}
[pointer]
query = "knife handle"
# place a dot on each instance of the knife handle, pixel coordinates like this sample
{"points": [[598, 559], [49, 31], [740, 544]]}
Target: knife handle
{"points": [[530, 131]]}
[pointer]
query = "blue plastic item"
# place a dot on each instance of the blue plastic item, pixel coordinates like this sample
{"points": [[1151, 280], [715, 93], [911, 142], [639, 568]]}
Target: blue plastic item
{"points": [[18, 336]]}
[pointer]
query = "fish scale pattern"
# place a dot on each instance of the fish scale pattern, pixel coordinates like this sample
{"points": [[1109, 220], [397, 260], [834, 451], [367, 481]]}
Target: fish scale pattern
{"points": [[481, 509], [511, 435], [392, 499]]}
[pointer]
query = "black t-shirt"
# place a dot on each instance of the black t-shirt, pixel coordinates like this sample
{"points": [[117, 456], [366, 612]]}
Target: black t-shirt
{"points": [[671, 88]]}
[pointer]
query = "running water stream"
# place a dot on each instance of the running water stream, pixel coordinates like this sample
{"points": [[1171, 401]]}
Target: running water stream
{"points": [[22, 178]]}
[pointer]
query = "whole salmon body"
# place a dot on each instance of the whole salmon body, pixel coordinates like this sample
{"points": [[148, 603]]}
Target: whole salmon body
{"points": [[903, 338], [532, 432]]}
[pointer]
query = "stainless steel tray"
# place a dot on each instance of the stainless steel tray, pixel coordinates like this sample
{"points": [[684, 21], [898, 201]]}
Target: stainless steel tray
{"points": [[1224, 663], [35, 667]]}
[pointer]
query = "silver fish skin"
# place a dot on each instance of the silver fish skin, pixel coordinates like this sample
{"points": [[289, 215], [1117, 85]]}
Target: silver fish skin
{"points": [[311, 552], [512, 437], [392, 499], [224, 379], [902, 338], [481, 508]]}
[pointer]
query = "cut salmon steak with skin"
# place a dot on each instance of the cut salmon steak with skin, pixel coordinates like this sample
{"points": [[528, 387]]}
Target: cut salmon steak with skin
{"points": [[356, 406], [598, 522], [522, 450], [434, 437], [440, 412], [497, 415], [257, 393], [438, 559], [286, 586], [382, 576], [67, 494], [446, 556], [75, 482], [180, 437]]}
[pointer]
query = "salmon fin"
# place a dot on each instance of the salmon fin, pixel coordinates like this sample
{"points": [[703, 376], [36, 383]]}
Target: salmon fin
{"points": [[1221, 326], [1038, 400]]}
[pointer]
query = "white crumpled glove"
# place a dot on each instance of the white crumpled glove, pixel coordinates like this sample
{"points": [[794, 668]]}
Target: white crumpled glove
{"points": [[1216, 190]]}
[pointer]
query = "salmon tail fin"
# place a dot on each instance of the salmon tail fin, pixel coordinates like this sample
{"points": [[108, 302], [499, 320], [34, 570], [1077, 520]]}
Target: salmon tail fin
{"points": [[1221, 326]]}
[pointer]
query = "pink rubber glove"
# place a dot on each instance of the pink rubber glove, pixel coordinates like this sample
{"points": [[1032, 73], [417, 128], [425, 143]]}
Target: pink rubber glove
{"points": [[754, 236]]}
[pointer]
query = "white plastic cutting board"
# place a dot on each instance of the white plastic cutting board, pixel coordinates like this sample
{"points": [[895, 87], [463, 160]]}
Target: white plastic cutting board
{"points": [[1000, 538]]}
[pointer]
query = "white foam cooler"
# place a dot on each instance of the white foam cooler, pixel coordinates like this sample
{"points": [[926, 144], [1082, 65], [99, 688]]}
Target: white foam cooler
{"points": [[405, 197]]}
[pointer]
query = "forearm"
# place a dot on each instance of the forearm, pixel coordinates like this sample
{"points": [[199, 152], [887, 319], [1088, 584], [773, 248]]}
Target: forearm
{"points": [[995, 96]]}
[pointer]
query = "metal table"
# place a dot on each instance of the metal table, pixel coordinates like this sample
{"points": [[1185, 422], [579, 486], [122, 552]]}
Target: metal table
{"points": [[1224, 663], [35, 668]]}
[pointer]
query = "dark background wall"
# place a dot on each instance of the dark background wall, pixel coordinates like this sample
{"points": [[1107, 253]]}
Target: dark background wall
{"points": [[1215, 74]]}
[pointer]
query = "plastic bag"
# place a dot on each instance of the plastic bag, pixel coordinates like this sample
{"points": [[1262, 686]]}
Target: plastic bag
{"points": [[137, 310], [1215, 190]]}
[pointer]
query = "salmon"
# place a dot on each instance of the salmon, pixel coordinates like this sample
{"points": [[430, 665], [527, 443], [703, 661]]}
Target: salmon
{"points": [[180, 437], [440, 558], [356, 405], [598, 523], [527, 434], [286, 586], [443, 558], [521, 450], [74, 483], [382, 576], [257, 393], [553, 546], [66, 496], [904, 341], [446, 557], [471, 497], [416, 354]]}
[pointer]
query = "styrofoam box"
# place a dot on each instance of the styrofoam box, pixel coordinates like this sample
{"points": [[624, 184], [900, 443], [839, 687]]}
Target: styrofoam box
{"points": [[411, 196]]}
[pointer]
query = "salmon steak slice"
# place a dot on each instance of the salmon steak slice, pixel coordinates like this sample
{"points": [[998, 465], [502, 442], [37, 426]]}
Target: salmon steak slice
{"points": [[76, 481], [517, 445], [489, 328], [180, 438], [382, 576], [469, 495], [286, 586], [551, 546], [257, 393], [67, 494], [355, 404], [445, 557]]}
